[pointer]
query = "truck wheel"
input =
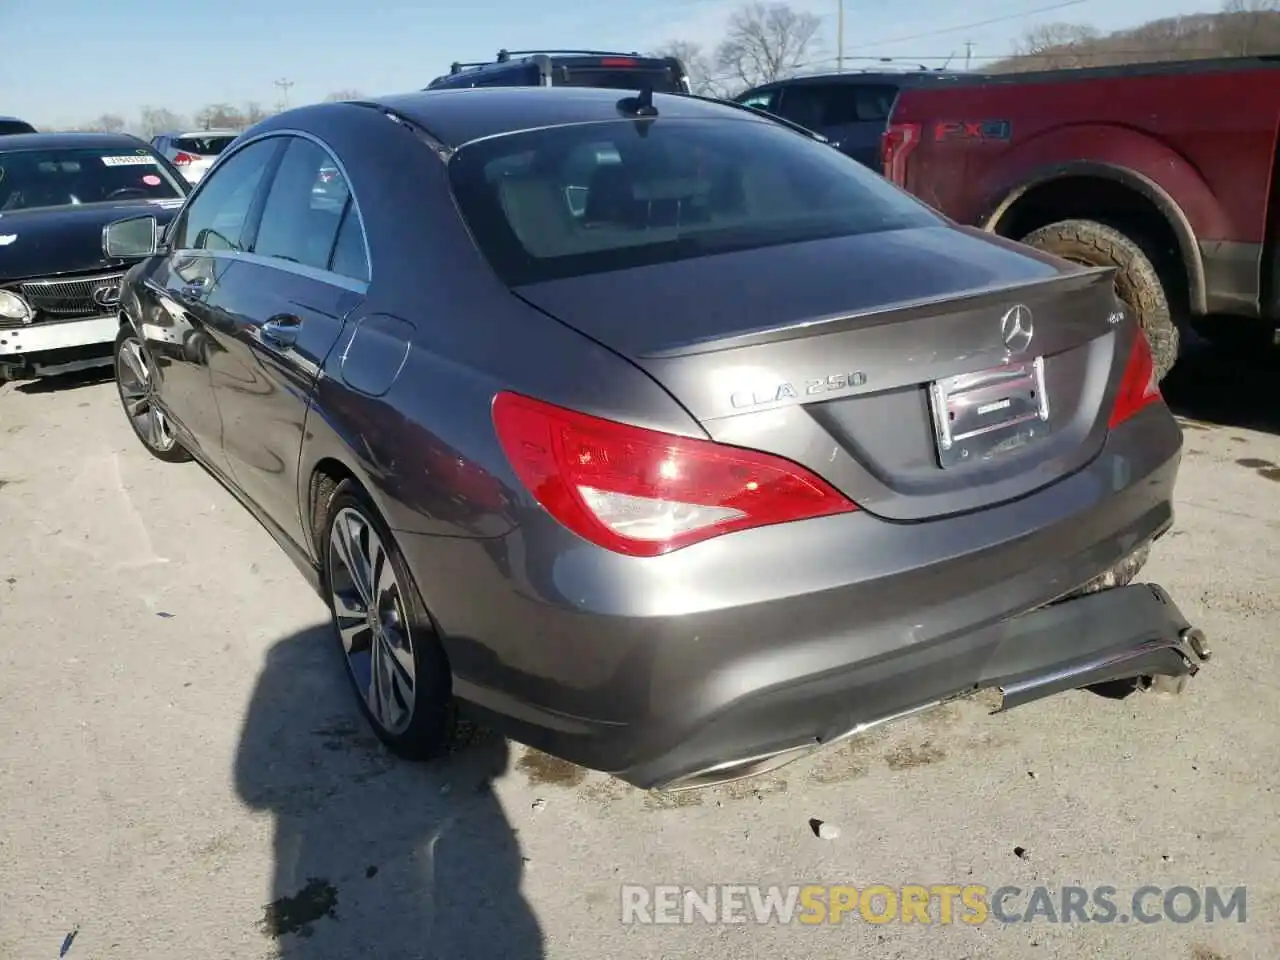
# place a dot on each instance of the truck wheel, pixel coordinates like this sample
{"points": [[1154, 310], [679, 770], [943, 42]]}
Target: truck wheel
{"points": [[1137, 281]]}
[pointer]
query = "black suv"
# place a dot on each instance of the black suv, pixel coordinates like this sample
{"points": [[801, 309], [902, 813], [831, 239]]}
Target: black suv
{"points": [[569, 68], [850, 109], [10, 125]]}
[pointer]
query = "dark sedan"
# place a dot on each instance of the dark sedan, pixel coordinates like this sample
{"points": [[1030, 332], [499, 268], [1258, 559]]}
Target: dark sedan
{"points": [[674, 440], [58, 288]]}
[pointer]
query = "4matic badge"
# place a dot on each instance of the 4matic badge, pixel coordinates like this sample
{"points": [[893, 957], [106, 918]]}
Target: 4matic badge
{"points": [[743, 399]]}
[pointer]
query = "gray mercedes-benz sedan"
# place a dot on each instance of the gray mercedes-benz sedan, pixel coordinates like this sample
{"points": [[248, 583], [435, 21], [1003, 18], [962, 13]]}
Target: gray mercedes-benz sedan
{"points": [[667, 435]]}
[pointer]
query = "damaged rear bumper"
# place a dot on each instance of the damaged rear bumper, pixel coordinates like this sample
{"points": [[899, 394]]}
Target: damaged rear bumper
{"points": [[1123, 633], [1137, 631]]}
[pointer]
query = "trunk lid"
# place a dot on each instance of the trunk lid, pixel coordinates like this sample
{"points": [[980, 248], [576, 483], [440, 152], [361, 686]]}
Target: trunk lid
{"points": [[878, 361]]}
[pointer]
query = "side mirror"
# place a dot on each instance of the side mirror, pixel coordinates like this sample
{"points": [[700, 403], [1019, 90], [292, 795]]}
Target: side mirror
{"points": [[130, 239]]}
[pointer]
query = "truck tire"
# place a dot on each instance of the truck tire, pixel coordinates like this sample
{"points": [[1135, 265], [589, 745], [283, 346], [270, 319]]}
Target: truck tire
{"points": [[1138, 283]]}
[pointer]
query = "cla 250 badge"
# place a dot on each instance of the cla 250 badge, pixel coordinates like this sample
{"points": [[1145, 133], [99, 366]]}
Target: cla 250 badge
{"points": [[788, 391]]}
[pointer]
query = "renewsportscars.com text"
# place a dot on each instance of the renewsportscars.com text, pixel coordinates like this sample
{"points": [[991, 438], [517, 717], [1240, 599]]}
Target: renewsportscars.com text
{"points": [[944, 904]]}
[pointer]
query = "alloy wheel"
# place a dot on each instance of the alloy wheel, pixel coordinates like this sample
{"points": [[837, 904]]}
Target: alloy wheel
{"points": [[369, 612], [137, 393]]}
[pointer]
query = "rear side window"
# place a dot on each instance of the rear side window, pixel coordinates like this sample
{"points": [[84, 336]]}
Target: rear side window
{"points": [[304, 207], [15, 126], [814, 106], [588, 198], [204, 146]]}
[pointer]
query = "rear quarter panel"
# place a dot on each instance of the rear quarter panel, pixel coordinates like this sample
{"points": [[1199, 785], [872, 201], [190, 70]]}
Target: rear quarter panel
{"points": [[1206, 139]]}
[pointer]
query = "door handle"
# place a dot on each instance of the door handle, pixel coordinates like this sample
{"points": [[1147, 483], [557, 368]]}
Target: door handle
{"points": [[282, 330], [196, 288]]}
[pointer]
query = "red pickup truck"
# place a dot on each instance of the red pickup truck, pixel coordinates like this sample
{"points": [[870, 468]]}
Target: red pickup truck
{"points": [[1163, 171]]}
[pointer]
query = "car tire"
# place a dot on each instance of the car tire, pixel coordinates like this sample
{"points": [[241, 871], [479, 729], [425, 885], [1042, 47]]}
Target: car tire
{"points": [[135, 378], [1138, 282], [395, 662]]}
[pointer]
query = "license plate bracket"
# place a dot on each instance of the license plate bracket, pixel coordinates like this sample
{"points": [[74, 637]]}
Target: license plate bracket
{"points": [[980, 415]]}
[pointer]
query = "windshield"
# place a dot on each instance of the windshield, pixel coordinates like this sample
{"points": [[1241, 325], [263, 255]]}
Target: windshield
{"points": [[587, 198], [69, 177]]}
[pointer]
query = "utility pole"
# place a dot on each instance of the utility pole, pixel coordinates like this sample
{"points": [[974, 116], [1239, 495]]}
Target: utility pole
{"points": [[284, 86], [968, 53], [839, 36]]}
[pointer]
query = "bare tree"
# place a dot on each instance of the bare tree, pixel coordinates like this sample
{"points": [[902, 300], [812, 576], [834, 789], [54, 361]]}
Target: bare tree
{"points": [[1243, 28], [253, 113], [157, 120], [339, 95], [697, 65], [1055, 46], [107, 123], [221, 116], [1248, 27], [765, 42]]}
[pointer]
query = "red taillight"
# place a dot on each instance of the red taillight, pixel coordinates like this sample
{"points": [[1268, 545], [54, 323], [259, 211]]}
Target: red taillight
{"points": [[1139, 388], [182, 159], [645, 493], [617, 62], [895, 146]]}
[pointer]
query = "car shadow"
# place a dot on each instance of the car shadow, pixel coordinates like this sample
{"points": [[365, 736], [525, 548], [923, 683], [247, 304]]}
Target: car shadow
{"points": [[67, 381], [374, 856], [1232, 387]]}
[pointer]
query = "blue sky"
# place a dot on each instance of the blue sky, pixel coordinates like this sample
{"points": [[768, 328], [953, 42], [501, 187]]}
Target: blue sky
{"points": [[70, 61]]}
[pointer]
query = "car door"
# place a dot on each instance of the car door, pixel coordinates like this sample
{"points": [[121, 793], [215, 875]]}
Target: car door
{"points": [[183, 291], [284, 303]]}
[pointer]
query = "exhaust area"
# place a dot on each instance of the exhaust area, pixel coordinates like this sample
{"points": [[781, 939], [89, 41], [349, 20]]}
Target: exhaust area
{"points": [[1134, 632]]}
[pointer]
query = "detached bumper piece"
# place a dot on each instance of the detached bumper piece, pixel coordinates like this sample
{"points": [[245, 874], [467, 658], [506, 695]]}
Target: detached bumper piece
{"points": [[1134, 633], [1126, 633]]}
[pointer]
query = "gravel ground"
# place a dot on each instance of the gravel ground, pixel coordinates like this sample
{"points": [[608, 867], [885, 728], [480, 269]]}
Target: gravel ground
{"points": [[185, 773]]}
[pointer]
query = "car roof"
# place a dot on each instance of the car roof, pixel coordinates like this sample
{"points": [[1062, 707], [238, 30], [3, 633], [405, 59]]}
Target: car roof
{"points": [[70, 141], [899, 77], [522, 59], [458, 116]]}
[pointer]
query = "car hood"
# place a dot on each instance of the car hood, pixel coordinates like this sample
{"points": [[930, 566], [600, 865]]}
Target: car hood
{"points": [[44, 243]]}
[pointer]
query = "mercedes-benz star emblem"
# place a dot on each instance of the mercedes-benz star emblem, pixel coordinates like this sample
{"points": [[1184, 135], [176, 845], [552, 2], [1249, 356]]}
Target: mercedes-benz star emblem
{"points": [[107, 295], [1016, 329]]}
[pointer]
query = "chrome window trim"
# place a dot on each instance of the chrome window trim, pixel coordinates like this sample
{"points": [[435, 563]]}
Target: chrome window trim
{"points": [[288, 266]]}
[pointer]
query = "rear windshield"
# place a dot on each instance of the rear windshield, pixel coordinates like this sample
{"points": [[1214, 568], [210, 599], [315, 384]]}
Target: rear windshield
{"points": [[588, 198], [205, 146], [69, 177], [657, 78]]}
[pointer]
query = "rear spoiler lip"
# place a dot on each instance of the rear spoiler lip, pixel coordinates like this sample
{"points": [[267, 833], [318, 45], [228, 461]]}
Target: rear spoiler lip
{"points": [[1077, 279]]}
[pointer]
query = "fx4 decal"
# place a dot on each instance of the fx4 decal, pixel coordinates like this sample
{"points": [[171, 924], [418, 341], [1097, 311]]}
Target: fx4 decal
{"points": [[982, 130]]}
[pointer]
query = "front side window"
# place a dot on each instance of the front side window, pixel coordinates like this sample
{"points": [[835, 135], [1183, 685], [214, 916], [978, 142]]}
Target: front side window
{"points": [[304, 208], [589, 198], [217, 216], [64, 177]]}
